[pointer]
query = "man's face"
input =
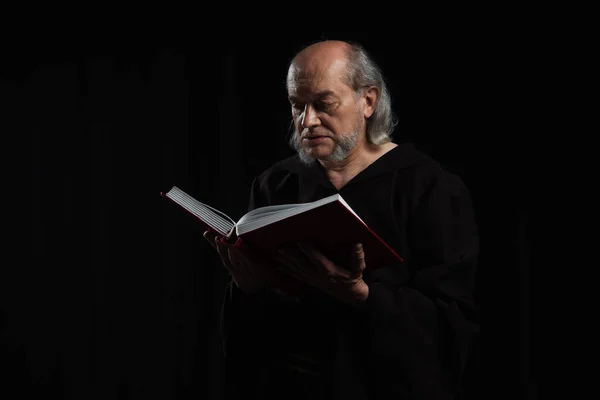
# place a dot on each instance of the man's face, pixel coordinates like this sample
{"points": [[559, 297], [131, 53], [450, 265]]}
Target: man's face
{"points": [[328, 118]]}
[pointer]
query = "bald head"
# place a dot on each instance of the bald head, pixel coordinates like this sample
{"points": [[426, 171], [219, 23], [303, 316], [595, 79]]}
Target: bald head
{"points": [[319, 60], [326, 50]]}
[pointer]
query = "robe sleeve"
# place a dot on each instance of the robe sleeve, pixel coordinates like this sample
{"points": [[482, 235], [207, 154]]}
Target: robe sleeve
{"points": [[237, 307], [423, 329], [240, 310]]}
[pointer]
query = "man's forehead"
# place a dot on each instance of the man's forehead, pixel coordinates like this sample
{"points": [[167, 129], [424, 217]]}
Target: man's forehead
{"points": [[315, 80], [317, 69]]}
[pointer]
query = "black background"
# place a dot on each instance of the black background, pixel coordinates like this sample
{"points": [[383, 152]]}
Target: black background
{"points": [[116, 295]]}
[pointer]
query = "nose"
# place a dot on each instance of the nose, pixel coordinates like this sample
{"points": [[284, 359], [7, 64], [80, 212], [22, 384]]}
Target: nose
{"points": [[310, 117]]}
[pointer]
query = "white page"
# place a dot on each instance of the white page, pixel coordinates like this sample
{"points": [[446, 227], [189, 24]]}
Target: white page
{"points": [[269, 214], [221, 221]]}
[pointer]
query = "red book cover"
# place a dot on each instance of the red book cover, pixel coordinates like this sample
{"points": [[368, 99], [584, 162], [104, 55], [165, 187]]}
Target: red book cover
{"points": [[331, 229]]}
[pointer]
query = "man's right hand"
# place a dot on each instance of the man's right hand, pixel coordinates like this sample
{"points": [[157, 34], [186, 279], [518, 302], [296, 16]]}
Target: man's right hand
{"points": [[245, 272]]}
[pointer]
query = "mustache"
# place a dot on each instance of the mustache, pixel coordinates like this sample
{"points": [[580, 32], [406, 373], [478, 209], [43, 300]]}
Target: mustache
{"points": [[311, 135]]}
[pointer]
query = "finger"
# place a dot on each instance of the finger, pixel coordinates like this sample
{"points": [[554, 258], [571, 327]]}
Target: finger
{"points": [[291, 266], [321, 263], [237, 258], [234, 263], [292, 252], [347, 272], [316, 275], [223, 252], [249, 255], [284, 268], [317, 279], [358, 259], [308, 251], [210, 237], [238, 265], [288, 264], [295, 256]]}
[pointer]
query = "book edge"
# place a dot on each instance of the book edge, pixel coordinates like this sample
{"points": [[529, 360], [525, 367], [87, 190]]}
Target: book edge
{"points": [[205, 220]]}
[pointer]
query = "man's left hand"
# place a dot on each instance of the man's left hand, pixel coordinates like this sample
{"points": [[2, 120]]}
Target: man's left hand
{"points": [[311, 266]]}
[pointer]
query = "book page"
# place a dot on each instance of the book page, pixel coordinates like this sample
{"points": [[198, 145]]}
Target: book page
{"points": [[266, 215], [216, 219], [264, 212]]}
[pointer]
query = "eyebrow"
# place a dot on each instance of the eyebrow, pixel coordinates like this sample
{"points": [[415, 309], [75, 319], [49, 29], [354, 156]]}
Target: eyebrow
{"points": [[318, 95]]}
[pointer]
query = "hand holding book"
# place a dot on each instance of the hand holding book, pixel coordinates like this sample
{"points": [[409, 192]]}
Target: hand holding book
{"points": [[344, 282], [301, 262], [242, 265], [250, 269]]}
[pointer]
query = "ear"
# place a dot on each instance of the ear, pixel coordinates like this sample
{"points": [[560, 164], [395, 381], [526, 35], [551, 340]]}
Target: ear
{"points": [[370, 96]]}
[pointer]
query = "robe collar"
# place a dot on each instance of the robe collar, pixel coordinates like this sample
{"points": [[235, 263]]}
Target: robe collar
{"points": [[404, 155]]}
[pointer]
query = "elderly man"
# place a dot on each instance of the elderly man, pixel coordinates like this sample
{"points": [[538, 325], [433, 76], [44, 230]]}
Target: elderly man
{"points": [[401, 332]]}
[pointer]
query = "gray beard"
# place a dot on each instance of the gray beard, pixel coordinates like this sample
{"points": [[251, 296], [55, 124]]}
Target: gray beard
{"points": [[343, 145]]}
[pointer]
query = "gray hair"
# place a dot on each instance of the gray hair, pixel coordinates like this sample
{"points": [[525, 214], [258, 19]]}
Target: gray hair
{"points": [[363, 72]]}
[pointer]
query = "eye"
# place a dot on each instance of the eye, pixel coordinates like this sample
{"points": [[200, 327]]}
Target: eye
{"points": [[297, 108], [324, 105]]}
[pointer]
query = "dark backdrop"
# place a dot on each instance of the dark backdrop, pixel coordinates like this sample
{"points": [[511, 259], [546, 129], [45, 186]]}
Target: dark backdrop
{"points": [[116, 295]]}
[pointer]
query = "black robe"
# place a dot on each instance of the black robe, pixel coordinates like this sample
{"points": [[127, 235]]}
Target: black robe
{"points": [[413, 337]]}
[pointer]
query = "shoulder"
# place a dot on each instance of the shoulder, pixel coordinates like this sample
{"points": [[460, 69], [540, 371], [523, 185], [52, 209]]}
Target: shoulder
{"points": [[421, 173], [280, 170], [279, 183]]}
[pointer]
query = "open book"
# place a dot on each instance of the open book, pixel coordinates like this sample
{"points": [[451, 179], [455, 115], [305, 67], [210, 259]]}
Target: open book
{"points": [[329, 224]]}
